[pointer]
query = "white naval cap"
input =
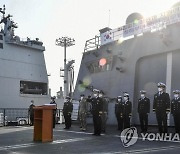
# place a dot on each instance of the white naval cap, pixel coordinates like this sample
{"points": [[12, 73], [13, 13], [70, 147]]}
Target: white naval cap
{"points": [[176, 91], [126, 94], [160, 84], [142, 91]]}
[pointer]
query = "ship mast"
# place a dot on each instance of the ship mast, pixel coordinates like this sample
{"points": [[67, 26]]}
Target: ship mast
{"points": [[66, 42], [9, 24]]}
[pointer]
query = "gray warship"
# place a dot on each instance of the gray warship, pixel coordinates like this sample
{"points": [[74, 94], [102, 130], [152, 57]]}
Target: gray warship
{"points": [[133, 57], [23, 75]]}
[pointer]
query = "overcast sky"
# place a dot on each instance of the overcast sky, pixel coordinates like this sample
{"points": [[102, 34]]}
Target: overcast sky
{"points": [[78, 19]]}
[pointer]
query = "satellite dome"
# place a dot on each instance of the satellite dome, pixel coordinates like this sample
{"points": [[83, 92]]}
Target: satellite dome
{"points": [[133, 17], [176, 5]]}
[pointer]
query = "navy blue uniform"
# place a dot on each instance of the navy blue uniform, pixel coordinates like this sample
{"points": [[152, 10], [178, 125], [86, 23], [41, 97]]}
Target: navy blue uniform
{"points": [[143, 110], [97, 107], [67, 110], [175, 111], [161, 105], [127, 111], [119, 108]]}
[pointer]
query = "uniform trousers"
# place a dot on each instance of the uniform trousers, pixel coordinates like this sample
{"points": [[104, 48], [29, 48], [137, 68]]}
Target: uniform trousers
{"points": [[120, 121], [126, 121], [143, 118], [97, 123], [177, 122], [82, 118], [31, 119], [104, 118], [162, 121], [67, 118]]}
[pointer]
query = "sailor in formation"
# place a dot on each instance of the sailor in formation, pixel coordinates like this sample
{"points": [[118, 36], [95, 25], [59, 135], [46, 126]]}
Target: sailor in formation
{"points": [[54, 110], [96, 112], [123, 110], [67, 111], [104, 115], [175, 110], [143, 110], [119, 105], [127, 111], [161, 106], [83, 107]]}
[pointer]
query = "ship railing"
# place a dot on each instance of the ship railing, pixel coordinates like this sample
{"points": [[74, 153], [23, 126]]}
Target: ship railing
{"points": [[25, 42], [20, 116], [92, 44]]}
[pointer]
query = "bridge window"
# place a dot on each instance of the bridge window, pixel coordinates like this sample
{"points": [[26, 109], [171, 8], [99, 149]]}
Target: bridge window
{"points": [[28, 87], [101, 65]]}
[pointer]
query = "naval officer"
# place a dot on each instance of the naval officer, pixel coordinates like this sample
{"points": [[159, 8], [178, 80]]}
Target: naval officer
{"points": [[96, 112], [119, 107], [143, 110], [161, 106], [175, 110], [127, 111], [67, 110], [104, 115]]}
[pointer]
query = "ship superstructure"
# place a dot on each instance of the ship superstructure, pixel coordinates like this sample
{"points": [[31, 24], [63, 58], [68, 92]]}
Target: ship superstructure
{"points": [[23, 74], [133, 57]]}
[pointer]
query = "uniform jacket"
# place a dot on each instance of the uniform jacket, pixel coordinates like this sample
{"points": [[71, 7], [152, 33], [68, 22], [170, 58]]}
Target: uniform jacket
{"points": [[97, 105], [119, 108], [144, 105], [127, 108], [83, 106], [161, 103], [68, 107], [175, 106], [105, 105]]}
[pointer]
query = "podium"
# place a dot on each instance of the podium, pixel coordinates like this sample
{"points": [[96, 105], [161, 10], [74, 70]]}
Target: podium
{"points": [[43, 123]]}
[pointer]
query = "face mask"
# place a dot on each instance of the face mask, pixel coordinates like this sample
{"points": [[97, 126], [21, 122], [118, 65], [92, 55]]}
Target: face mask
{"points": [[160, 89], [95, 95], [176, 95], [142, 95], [81, 98], [100, 95], [119, 100], [125, 98]]}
